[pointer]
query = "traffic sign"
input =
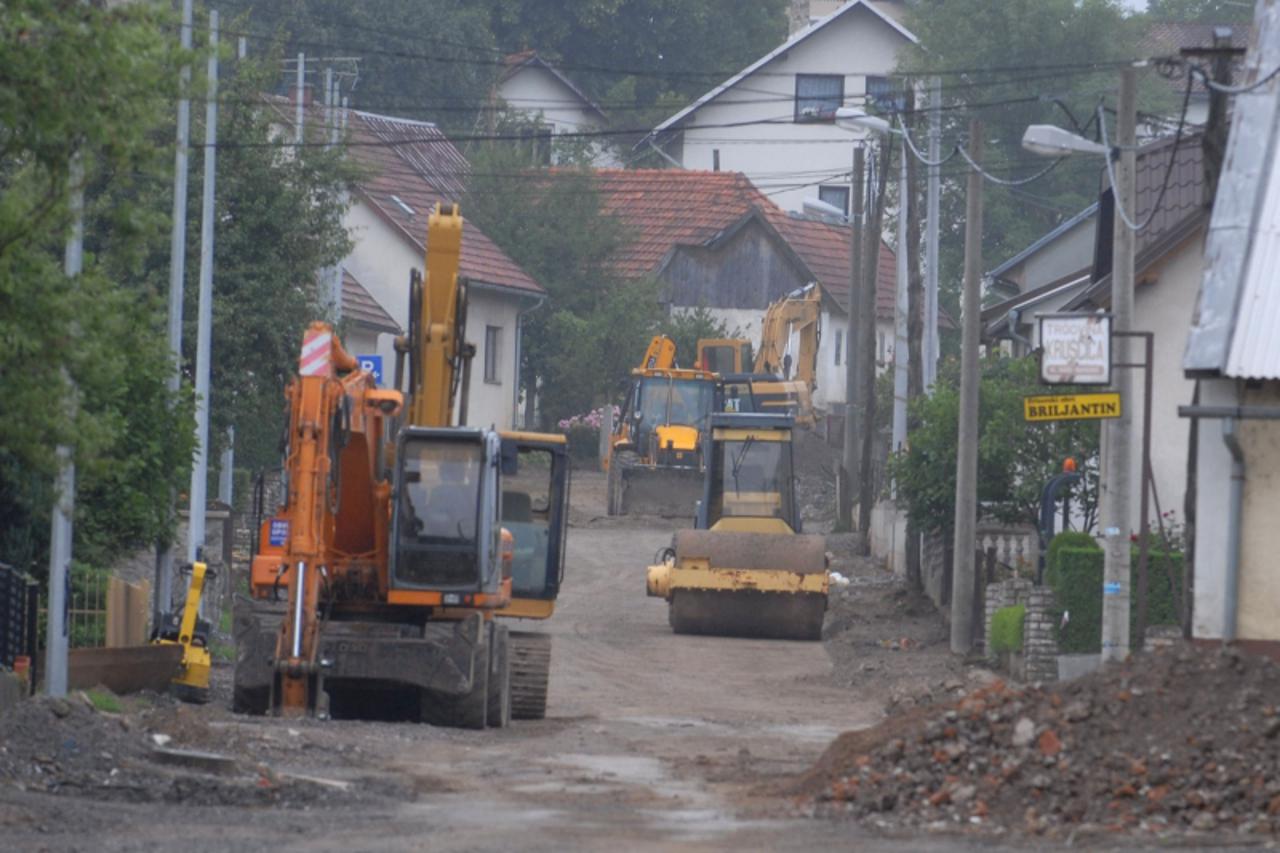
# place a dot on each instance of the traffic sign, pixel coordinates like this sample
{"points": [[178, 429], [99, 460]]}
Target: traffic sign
{"points": [[1075, 349], [1072, 407], [373, 364]]}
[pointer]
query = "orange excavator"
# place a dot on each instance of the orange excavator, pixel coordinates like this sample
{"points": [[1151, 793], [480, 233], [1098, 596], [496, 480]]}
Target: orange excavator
{"points": [[401, 538]]}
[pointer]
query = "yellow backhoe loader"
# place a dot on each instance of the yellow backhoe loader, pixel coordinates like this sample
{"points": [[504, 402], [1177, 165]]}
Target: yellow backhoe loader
{"points": [[746, 570], [655, 456]]}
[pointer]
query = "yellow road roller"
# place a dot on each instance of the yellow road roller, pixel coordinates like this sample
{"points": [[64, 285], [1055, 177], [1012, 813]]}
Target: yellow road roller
{"points": [[746, 570]]}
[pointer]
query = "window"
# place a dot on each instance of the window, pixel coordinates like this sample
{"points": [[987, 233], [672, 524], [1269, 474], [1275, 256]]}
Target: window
{"points": [[818, 96], [492, 354], [536, 141], [839, 344], [885, 94], [836, 197]]}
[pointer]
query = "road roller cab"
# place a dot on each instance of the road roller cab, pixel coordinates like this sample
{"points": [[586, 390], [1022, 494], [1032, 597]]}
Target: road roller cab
{"points": [[745, 570]]}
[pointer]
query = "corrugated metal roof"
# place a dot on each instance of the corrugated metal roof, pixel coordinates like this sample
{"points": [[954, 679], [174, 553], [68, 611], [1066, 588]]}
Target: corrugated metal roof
{"points": [[1236, 328]]}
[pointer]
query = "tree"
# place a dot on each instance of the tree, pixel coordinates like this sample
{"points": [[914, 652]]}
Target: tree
{"points": [[78, 79], [594, 325], [686, 328], [1015, 458], [1203, 11], [1046, 61]]}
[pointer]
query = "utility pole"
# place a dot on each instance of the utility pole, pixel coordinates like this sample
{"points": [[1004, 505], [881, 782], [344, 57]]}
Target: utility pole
{"points": [[852, 352], [60, 535], [204, 318], [916, 338], [299, 83], [966, 518], [867, 341], [901, 353], [1116, 472], [227, 469], [163, 598], [932, 349]]}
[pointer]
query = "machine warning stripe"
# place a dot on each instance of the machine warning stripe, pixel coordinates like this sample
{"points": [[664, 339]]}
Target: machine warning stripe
{"points": [[315, 354]]}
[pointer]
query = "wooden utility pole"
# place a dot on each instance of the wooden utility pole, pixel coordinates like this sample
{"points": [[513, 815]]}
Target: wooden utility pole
{"points": [[966, 518], [867, 344], [851, 457]]}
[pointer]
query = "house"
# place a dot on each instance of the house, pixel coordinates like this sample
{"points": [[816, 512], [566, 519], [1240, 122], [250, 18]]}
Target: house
{"points": [[1233, 357], [534, 88], [780, 110], [716, 242], [409, 167], [1068, 270]]}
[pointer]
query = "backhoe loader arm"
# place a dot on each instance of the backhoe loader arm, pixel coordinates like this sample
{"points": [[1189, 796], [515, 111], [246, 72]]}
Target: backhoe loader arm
{"points": [[799, 312], [437, 325]]}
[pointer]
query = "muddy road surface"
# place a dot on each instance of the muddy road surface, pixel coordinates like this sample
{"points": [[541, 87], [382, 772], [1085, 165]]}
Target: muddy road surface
{"points": [[652, 741]]}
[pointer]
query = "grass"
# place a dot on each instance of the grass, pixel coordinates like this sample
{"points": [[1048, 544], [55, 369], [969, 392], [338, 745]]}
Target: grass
{"points": [[224, 621], [222, 652], [104, 700]]}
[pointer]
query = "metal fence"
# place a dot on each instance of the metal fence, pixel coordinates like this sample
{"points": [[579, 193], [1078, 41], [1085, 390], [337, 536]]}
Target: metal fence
{"points": [[18, 616]]}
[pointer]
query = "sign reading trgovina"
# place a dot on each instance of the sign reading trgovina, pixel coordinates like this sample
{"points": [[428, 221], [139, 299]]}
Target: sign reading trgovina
{"points": [[1075, 349]]}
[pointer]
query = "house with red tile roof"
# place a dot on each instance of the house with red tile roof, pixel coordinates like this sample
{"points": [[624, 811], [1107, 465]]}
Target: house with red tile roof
{"points": [[715, 241], [409, 167]]}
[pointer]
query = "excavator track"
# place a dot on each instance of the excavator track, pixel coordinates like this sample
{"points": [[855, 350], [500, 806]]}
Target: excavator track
{"points": [[530, 674]]}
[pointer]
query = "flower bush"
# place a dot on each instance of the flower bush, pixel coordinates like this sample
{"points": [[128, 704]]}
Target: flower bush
{"points": [[584, 433]]}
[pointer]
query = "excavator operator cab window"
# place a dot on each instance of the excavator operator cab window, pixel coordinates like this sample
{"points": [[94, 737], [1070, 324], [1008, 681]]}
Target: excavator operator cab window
{"points": [[675, 401], [753, 477], [535, 521], [438, 517]]}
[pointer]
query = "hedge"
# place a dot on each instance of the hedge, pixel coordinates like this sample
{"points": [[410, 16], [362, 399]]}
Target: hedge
{"points": [[1075, 573], [1006, 628]]}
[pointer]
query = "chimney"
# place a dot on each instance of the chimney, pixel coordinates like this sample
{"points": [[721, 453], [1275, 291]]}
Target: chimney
{"points": [[797, 16]]}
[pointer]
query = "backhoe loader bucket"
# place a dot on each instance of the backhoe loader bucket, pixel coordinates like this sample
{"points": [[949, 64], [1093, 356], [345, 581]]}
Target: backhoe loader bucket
{"points": [[664, 491], [741, 584]]}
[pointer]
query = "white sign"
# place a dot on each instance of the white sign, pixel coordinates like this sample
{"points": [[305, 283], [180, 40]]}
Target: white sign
{"points": [[1075, 349]]}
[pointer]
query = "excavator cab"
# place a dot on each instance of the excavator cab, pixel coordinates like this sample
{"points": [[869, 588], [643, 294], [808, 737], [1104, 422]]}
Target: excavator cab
{"points": [[535, 511], [445, 536]]}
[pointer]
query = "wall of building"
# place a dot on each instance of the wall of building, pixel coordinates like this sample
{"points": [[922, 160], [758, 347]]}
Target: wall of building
{"points": [[1259, 613], [859, 40], [1069, 253], [536, 90], [1213, 489]]}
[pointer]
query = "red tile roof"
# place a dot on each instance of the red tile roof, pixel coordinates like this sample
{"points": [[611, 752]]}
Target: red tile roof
{"points": [[666, 208], [359, 305], [414, 162]]}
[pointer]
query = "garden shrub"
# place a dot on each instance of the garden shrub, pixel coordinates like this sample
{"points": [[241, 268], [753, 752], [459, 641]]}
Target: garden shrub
{"points": [[1006, 628]]}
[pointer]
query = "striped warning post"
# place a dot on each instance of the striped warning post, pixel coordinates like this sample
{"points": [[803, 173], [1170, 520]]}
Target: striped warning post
{"points": [[315, 361]]}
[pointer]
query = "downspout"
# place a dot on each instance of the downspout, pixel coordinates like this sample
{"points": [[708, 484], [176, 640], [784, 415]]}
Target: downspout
{"points": [[1012, 319], [1231, 591], [515, 391]]}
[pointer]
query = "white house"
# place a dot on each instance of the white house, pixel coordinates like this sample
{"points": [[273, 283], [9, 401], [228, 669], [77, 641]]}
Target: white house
{"points": [[531, 86], [774, 121], [410, 167]]}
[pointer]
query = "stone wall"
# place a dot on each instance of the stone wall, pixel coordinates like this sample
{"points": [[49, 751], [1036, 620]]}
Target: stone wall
{"points": [[1039, 658]]}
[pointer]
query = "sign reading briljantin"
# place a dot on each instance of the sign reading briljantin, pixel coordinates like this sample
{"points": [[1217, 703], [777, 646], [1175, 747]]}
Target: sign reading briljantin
{"points": [[1075, 349]]}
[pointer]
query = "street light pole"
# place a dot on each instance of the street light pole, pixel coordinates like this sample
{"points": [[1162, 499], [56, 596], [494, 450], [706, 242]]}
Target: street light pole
{"points": [[900, 348], [1116, 474], [966, 517]]}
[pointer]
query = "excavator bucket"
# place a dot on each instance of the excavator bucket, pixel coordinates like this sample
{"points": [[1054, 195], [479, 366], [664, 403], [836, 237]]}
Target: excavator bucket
{"points": [[657, 490], [741, 584]]}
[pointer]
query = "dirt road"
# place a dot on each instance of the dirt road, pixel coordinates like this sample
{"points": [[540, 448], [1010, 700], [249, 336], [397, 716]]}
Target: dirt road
{"points": [[652, 742]]}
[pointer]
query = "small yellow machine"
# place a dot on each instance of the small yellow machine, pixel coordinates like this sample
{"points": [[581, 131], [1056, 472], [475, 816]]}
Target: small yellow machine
{"points": [[746, 570], [185, 628]]}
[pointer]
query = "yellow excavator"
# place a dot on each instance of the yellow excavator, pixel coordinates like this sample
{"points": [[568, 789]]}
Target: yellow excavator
{"points": [[777, 381], [185, 628], [655, 459], [746, 570], [402, 538]]}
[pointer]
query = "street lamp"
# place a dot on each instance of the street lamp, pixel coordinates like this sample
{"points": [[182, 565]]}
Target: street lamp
{"points": [[1050, 141], [855, 119], [820, 208]]}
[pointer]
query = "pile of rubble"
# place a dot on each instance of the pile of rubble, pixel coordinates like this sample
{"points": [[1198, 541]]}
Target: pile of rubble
{"points": [[1183, 740]]}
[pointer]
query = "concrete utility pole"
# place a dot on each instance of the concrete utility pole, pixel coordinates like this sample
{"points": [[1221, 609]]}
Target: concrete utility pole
{"points": [[901, 353], [966, 519], [299, 84], [867, 342], [851, 456], [1118, 432], [932, 211], [227, 469], [60, 535], [177, 276], [204, 319]]}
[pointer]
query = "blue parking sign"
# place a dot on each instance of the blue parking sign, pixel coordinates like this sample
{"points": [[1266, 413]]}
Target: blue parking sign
{"points": [[373, 364]]}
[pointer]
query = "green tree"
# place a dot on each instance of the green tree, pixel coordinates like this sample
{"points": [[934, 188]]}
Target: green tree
{"points": [[1015, 458], [580, 344], [1203, 11], [686, 328], [1047, 61], [79, 79]]}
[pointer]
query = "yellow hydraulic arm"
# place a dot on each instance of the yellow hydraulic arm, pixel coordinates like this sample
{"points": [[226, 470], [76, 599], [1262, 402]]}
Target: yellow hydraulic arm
{"points": [[439, 354], [800, 312], [661, 354]]}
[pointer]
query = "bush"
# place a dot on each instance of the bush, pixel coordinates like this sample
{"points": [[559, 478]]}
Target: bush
{"points": [[1066, 539], [583, 432], [1075, 573], [1006, 628]]}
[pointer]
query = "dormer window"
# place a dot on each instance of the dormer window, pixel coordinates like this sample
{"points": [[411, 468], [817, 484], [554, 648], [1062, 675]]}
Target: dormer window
{"points": [[818, 96]]}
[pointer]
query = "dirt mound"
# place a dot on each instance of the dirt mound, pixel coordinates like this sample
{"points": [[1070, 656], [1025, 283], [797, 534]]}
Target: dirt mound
{"points": [[1181, 740], [816, 463]]}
